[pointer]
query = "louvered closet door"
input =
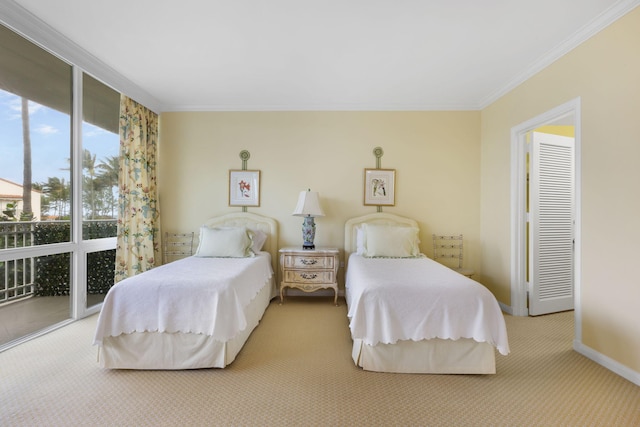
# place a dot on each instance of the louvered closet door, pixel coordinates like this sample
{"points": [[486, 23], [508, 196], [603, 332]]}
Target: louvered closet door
{"points": [[552, 224]]}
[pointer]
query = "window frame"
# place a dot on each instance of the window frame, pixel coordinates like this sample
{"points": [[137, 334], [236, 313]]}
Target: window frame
{"points": [[77, 246]]}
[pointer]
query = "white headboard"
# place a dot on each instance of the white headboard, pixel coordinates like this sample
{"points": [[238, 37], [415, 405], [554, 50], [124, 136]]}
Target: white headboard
{"points": [[254, 222], [380, 218]]}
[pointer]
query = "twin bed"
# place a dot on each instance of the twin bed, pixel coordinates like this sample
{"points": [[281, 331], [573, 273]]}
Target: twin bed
{"points": [[407, 313], [196, 312], [410, 314]]}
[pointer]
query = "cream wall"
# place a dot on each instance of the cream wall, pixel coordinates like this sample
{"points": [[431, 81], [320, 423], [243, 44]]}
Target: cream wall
{"points": [[453, 174], [436, 156], [604, 72]]}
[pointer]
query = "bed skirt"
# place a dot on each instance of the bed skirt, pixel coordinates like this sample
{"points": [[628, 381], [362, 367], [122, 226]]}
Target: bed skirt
{"points": [[157, 350], [435, 356]]}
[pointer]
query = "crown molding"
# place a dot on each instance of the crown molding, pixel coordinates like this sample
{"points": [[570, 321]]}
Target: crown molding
{"points": [[320, 107], [42, 34], [605, 19]]}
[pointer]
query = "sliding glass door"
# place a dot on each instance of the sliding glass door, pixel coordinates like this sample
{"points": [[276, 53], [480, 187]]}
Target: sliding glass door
{"points": [[58, 190]]}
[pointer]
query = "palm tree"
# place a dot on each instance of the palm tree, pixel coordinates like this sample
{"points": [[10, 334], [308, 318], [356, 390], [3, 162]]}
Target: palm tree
{"points": [[109, 178], [93, 184], [58, 192], [45, 200], [89, 164], [27, 210]]}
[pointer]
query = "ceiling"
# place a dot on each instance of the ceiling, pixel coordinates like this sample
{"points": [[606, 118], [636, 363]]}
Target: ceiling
{"points": [[252, 55]]}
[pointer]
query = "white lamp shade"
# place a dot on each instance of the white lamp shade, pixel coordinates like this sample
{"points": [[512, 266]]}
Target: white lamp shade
{"points": [[308, 204]]}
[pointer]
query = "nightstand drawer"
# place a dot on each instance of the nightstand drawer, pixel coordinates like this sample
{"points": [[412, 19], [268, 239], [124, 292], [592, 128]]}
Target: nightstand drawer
{"points": [[311, 276], [310, 262]]}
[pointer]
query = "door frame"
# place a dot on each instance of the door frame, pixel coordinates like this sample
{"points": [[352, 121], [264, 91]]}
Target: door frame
{"points": [[518, 210]]}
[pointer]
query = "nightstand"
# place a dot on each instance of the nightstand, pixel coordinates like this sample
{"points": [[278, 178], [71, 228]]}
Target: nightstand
{"points": [[309, 270]]}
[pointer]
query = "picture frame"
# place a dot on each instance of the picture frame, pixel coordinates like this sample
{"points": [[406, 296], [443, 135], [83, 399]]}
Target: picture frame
{"points": [[244, 188], [379, 187]]}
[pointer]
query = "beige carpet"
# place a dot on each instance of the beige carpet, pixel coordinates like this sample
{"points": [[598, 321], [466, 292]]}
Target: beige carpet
{"points": [[296, 370]]}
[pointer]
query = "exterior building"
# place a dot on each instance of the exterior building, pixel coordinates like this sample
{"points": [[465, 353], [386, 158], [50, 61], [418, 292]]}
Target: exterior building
{"points": [[11, 193]]}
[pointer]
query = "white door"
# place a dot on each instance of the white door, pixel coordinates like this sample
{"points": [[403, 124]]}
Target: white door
{"points": [[551, 243]]}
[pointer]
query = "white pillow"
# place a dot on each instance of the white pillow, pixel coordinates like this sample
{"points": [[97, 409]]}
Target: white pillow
{"points": [[224, 242], [391, 241], [258, 238], [360, 240]]}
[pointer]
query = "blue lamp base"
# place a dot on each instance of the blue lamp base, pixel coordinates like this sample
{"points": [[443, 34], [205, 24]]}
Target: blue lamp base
{"points": [[308, 233]]}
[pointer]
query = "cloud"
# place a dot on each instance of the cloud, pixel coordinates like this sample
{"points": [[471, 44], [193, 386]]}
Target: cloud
{"points": [[15, 107], [46, 130], [89, 130]]}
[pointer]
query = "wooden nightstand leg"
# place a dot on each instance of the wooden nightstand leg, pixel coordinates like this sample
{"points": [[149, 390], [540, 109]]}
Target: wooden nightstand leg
{"points": [[281, 294], [335, 297]]}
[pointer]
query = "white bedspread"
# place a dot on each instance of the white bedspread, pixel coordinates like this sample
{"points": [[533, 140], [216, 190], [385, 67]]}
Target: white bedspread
{"points": [[197, 295], [418, 298]]}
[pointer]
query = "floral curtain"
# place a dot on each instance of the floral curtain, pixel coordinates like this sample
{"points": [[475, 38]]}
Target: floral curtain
{"points": [[138, 238]]}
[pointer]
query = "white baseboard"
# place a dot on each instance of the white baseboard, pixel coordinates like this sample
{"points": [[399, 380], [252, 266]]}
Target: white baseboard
{"points": [[505, 308], [599, 358], [607, 362]]}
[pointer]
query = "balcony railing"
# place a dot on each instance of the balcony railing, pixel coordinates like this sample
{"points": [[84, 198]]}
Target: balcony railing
{"points": [[24, 277], [16, 276]]}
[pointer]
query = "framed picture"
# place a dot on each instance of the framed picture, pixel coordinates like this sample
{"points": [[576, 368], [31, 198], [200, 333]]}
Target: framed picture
{"points": [[244, 188], [380, 187]]}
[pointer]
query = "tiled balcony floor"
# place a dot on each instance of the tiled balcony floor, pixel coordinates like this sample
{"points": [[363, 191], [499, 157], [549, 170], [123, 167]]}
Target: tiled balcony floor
{"points": [[34, 314]]}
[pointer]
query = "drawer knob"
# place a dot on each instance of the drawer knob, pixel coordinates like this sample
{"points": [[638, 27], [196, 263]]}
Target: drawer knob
{"points": [[308, 276], [309, 261]]}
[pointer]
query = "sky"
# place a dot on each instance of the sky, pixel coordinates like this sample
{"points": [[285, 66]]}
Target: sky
{"points": [[50, 141]]}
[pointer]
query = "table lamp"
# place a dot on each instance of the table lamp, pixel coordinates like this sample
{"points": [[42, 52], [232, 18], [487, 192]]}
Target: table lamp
{"points": [[308, 207]]}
